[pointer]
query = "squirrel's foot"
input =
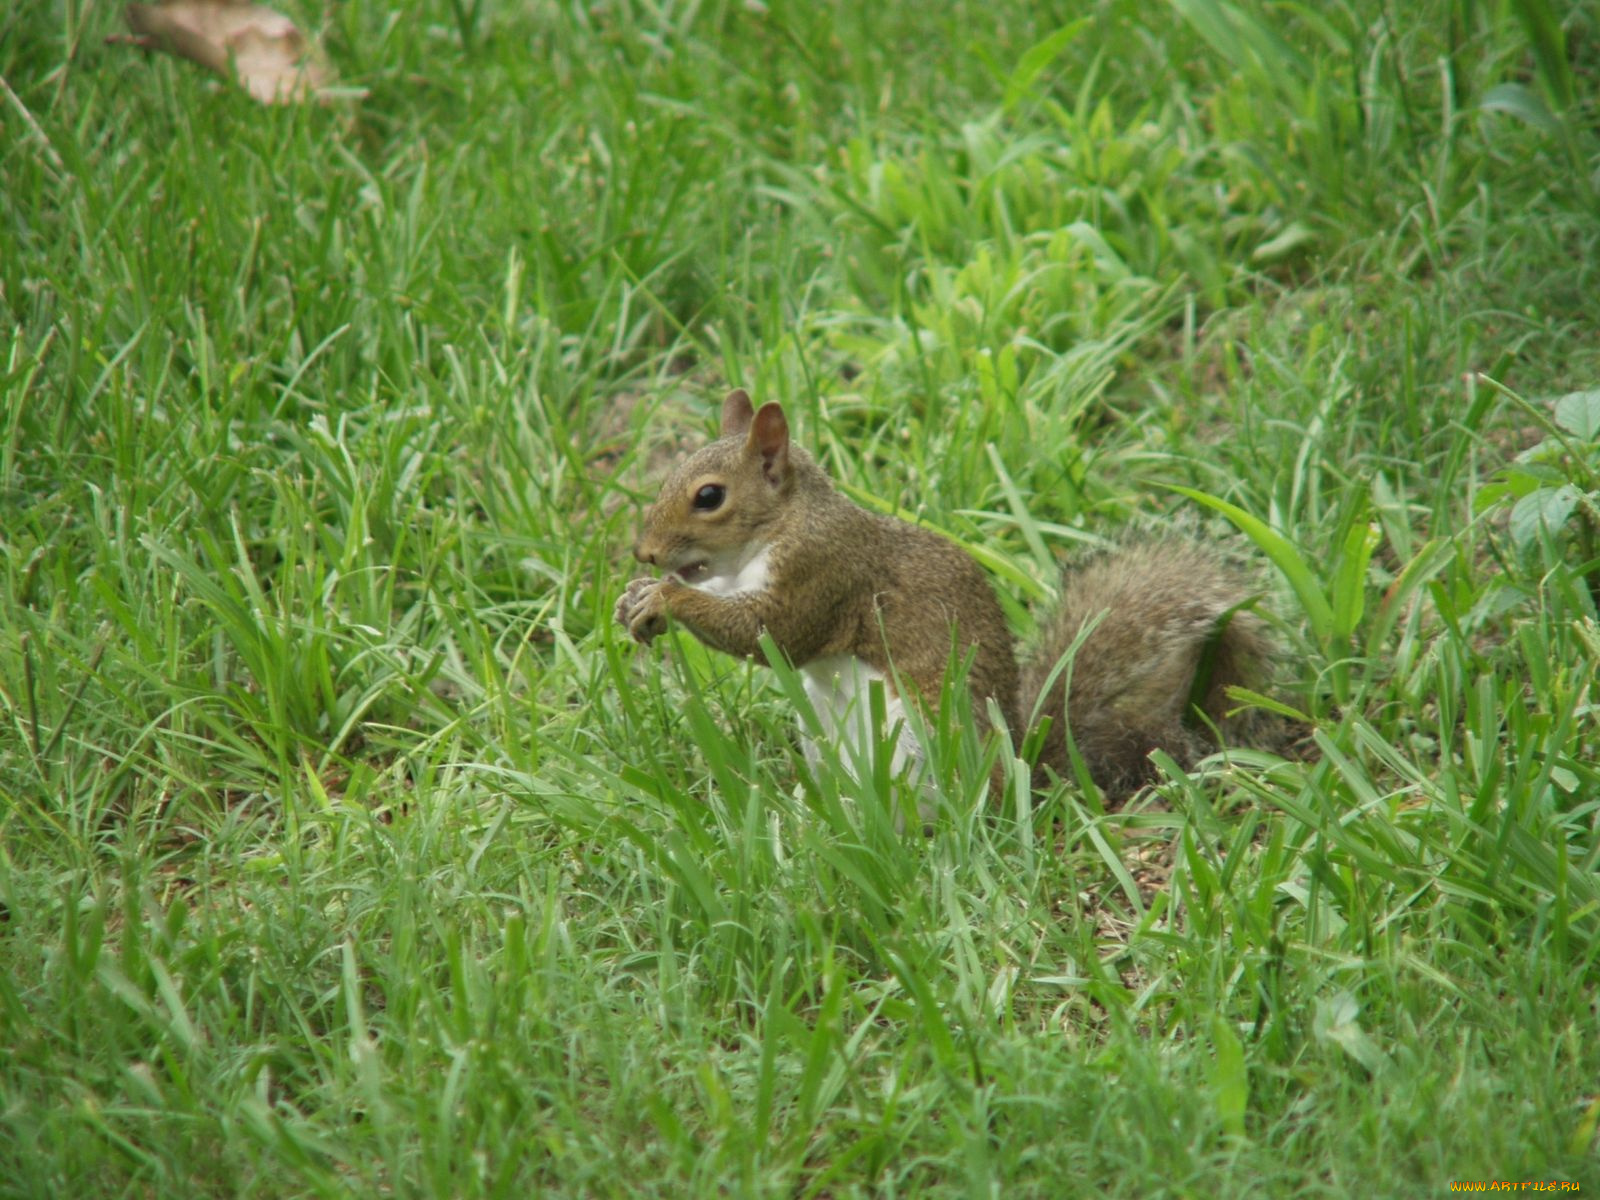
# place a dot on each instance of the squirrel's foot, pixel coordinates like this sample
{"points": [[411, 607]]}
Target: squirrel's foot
{"points": [[642, 609]]}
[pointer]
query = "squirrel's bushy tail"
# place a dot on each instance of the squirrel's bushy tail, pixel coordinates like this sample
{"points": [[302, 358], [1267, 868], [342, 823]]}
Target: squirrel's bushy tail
{"points": [[1164, 610]]}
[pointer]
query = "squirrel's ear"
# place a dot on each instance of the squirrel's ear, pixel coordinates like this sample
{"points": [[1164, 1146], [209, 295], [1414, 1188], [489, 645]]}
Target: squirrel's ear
{"points": [[736, 412], [769, 437]]}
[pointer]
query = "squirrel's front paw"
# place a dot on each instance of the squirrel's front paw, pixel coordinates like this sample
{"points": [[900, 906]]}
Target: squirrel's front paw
{"points": [[642, 610]]}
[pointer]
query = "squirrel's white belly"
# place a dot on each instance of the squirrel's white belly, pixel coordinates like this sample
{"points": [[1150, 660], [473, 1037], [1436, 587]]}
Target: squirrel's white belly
{"points": [[733, 578], [839, 688]]}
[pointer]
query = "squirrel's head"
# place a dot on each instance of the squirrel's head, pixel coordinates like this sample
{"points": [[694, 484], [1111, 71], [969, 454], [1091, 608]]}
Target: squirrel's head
{"points": [[717, 507]]}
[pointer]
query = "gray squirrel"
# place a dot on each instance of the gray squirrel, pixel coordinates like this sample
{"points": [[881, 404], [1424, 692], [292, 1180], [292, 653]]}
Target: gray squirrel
{"points": [[751, 536]]}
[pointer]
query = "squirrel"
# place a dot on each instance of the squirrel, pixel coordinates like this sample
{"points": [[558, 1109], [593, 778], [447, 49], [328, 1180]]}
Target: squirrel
{"points": [[751, 536]]}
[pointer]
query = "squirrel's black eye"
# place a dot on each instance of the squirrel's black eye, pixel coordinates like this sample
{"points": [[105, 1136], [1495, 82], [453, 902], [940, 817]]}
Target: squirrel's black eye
{"points": [[709, 497]]}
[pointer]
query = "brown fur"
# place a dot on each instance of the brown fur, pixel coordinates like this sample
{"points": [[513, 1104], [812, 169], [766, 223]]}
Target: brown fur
{"points": [[1127, 691], [847, 581], [852, 582]]}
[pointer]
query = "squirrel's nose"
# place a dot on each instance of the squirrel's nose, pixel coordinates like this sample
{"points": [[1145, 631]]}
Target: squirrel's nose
{"points": [[643, 555]]}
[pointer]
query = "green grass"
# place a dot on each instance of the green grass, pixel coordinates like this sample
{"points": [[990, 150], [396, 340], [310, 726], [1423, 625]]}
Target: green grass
{"points": [[346, 848]]}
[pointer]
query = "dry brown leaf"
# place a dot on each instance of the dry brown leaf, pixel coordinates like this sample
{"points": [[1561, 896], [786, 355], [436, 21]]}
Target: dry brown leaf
{"points": [[262, 49]]}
